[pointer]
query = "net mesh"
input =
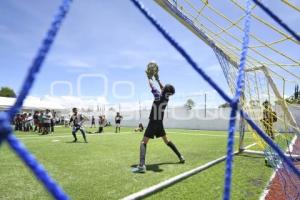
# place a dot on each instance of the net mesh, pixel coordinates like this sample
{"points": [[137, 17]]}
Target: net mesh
{"points": [[272, 71], [262, 65]]}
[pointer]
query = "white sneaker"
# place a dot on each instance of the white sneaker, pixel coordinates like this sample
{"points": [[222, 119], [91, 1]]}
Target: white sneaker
{"points": [[139, 169], [181, 160]]}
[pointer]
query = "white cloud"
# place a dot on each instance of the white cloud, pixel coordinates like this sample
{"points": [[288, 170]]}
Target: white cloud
{"points": [[72, 63], [130, 58], [77, 63]]}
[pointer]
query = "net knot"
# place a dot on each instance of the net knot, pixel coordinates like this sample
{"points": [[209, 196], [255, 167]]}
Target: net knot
{"points": [[234, 103]]}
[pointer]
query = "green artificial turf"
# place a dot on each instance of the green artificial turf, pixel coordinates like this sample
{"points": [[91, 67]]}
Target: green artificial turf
{"points": [[101, 169]]}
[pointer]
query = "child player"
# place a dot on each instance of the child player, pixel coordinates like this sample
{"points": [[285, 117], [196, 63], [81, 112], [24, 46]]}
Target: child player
{"points": [[155, 126], [77, 120], [118, 119]]}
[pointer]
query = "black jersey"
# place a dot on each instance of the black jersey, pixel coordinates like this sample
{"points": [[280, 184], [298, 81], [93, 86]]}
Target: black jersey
{"points": [[159, 105], [118, 119]]}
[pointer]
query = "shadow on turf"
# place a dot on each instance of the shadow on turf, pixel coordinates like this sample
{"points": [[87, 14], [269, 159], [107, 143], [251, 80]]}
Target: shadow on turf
{"points": [[155, 167], [71, 142]]}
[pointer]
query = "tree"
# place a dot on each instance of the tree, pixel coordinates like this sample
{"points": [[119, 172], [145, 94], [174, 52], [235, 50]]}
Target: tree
{"points": [[295, 98], [7, 92], [224, 105], [296, 94], [189, 104]]}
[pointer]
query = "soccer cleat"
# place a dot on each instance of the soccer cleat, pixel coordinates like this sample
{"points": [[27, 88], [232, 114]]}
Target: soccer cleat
{"points": [[139, 169], [75, 140], [181, 160]]}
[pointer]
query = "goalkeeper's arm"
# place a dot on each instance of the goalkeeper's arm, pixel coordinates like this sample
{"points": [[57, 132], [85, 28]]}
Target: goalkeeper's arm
{"points": [[160, 84], [158, 81], [150, 83]]}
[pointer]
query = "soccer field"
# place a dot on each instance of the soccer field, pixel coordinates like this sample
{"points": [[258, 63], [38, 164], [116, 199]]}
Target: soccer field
{"points": [[101, 169]]}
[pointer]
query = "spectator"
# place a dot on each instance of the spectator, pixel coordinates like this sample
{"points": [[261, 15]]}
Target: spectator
{"points": [[36, 120], [47, 122], [29, 123], [93, 122]]}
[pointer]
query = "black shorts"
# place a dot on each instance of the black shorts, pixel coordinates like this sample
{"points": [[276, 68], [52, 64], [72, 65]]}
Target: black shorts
{"points": [[155, 128], [46, 125]]}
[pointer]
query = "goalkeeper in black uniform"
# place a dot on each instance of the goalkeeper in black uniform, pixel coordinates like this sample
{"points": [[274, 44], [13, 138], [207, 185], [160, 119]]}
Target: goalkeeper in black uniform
{"points": [[78, 121], [155, 126]]}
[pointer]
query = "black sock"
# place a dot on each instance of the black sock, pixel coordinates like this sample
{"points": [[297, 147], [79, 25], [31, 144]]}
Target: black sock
{"points": [[74, 135], [142, 154], [173, 147]]}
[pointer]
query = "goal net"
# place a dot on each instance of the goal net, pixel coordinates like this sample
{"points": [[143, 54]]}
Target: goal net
{"points": [[272, 72]]}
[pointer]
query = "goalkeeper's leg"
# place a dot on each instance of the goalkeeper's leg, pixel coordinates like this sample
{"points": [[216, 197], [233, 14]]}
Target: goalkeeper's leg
{"points": [[174, 148], [143, 148], [141, 168]]}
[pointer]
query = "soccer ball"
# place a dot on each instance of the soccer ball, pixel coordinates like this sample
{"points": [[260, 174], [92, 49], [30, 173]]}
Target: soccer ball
{"points": [[152, 69]]}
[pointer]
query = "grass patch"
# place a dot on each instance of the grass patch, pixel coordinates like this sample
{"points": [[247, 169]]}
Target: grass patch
{"points": [[101, 168]]}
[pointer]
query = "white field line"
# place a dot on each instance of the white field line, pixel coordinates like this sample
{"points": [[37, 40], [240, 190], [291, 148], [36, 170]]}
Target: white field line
{"points": [[267, 189], [150, 190], [123, 133], [206, 134], [70, 135]]}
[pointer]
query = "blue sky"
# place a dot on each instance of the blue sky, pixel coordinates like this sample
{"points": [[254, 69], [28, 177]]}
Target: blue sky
{"points": [[100, 38]]}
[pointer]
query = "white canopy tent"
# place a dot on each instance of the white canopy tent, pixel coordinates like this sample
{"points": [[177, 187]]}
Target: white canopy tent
{"points": [[31, 103]]}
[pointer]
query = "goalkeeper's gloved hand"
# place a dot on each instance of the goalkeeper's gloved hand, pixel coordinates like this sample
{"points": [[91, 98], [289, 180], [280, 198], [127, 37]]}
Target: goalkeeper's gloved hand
{"points": [[156, 77], [148, 74]]}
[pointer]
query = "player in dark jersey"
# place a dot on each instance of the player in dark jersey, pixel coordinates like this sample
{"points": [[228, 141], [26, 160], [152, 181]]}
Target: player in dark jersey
{"points": [[118, 119], [102, 123], [77, 120], [155, 126], [93, 124]]}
